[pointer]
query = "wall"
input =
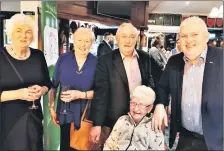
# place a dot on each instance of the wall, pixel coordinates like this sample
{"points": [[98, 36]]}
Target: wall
{"points": [[10, 6], [32, 6]]}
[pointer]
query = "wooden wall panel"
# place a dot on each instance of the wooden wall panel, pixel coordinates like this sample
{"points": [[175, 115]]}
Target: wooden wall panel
{"points": [[84, 10]]}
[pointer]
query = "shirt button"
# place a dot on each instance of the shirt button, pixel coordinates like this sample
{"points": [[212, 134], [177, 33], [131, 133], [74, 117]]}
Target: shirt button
{"points": [[188, 118]]}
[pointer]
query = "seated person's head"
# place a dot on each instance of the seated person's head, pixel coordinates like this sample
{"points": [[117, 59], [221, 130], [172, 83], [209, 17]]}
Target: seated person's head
{"points": [[142, 99]]}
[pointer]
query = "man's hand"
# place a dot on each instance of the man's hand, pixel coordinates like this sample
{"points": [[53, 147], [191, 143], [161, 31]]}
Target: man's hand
{"points": [[159, 118], [95, 133]]}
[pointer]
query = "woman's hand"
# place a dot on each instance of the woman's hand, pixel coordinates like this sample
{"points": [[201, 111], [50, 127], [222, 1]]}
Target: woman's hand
{"points": [[27, 94], [54, 117], [70, 95], [38, 90]]}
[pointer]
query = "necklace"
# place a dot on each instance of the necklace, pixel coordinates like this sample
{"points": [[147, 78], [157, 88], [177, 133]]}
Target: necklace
{"points": [[16, 56], [79, 71]]}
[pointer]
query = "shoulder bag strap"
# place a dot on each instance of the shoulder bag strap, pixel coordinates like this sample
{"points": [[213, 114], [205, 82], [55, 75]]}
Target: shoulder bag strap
{"points": [[84, 112], [14, 68]]}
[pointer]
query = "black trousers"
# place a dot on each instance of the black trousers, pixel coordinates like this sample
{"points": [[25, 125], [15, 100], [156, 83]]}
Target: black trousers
{"points": [[191, 141], [65, 138]]}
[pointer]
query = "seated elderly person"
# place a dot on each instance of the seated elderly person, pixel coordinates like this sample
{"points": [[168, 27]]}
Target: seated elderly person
{"points": [[134, 131]]}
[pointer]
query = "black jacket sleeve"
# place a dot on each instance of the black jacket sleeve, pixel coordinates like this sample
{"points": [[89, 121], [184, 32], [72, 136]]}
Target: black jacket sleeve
{"points": [[101, 93], [162, 89], [103, 48], [47, 81]]}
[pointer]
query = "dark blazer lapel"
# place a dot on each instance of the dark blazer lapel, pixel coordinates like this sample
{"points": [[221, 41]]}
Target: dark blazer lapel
{"points": [[118, 63], [208, 72], [180, 75], [141, 67], [106, 44]]}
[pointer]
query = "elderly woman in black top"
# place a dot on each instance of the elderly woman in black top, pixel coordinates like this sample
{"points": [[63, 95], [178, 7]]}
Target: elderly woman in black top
{"points": [[24, 79]]}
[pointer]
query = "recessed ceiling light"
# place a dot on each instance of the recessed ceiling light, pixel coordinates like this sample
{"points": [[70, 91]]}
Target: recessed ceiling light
{"points": [[187, 2]]}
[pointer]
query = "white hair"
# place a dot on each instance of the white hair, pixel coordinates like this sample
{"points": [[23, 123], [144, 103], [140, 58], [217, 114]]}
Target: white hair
{"points": [[145, 95], [20, 19], [82, 29]]}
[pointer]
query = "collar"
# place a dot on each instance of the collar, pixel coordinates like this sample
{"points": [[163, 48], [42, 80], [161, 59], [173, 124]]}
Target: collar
{"points": [[107, 43], [202, 56], [134, 54], [143, 120]]}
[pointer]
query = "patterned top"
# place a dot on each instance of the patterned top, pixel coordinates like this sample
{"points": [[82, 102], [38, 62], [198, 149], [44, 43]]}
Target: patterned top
{"points": [[192, 93], [126, 135]]}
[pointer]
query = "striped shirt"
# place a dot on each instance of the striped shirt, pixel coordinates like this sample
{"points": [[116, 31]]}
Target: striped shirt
{"points": [[192, 94], [132, 70]]}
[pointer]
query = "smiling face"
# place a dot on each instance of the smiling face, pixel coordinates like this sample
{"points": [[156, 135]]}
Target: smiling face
{"points": [[126, 39], [138, 110], [22, 35], [193, 37], [82, 41]]}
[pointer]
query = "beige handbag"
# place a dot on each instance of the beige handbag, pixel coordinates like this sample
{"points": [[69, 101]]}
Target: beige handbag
{"points": [[79, 139]]}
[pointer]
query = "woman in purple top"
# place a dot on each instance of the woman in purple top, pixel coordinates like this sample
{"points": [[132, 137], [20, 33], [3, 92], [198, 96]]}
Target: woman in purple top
{"points": [[74, 74]]}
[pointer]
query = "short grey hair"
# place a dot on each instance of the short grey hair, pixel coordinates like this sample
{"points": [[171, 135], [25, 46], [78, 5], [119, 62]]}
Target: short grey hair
{"points": [[20, 19], [195, 21], [124, 25], [144, 94], [82, 29]]}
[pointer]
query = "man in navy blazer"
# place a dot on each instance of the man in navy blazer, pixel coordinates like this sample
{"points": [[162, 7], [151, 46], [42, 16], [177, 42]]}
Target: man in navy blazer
{"points": [[194, 78]]}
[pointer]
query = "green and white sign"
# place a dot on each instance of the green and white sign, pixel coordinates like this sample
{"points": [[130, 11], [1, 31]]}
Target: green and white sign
{"points": [[49, 27]]}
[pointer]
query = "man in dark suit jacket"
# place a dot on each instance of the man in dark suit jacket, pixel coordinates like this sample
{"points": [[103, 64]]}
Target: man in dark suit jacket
{"points": [[194, 78], [106, 45], [117, 74]]}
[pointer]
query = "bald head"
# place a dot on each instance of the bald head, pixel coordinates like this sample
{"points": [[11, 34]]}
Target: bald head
{"points": [[195, 21], [194, 36]]}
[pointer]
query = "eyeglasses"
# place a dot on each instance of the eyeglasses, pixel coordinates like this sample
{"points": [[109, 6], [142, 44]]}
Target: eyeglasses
{"points": [[140, 106]]}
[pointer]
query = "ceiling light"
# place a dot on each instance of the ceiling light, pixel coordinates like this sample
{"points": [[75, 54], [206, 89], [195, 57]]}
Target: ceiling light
{"points": [[221, 9], [214, 13], [187, 2], [220, 15]]}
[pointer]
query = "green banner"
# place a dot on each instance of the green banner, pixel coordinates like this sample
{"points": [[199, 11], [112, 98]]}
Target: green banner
{"points": [[49, 27]]}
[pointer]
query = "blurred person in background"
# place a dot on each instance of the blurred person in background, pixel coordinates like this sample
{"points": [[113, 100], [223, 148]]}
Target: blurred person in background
{"points": [[106, 45], [177, 49], [157, 55]]}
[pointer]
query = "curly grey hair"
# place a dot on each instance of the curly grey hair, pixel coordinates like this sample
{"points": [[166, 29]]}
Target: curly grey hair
{"points": [[20, 19]]}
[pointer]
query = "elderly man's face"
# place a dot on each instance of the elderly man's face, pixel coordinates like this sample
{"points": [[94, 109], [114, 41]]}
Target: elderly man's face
{"points": [[127, 39], [82, 42], [193, 40], [22, 35]]}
